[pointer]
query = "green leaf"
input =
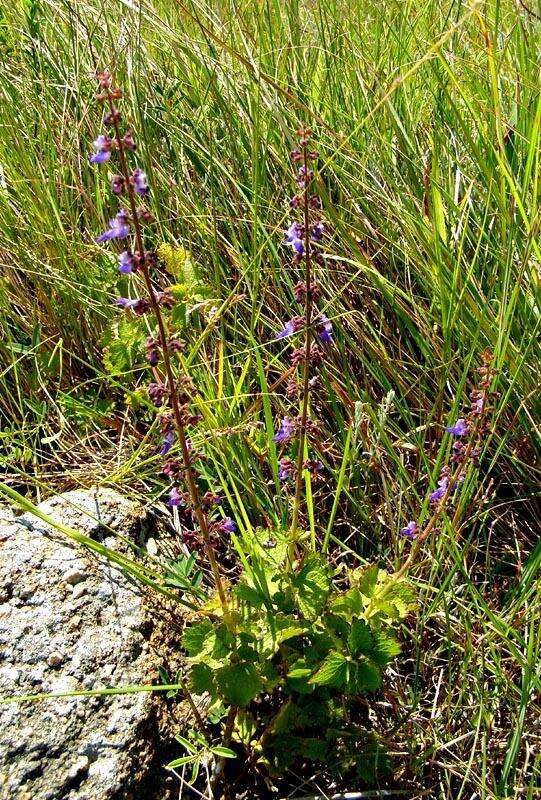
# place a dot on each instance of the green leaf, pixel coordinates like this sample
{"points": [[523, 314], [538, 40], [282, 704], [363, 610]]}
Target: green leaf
{"points": [[397, 599], [124, 347], [279, 628], [178, 315], [385, 648], [313, 749], [368, 580], [332, 672], [297, 677], [195, 638], [299, 672], [286, 719], [201, 679], [239, 683], [245, 727], [366, 677], [185, 743], [208, 643], [360, 638], [270, 676], [223, 752], [312, 585], [349, 604], [178, 762], [248, 594]]}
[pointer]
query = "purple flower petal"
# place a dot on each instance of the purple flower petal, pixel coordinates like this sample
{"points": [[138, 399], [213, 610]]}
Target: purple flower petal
{"points": [[175, 498], [460, 428], [100, 157], [117, 185], [324, 329], [410, 531], [125, 262], [126, 302], [227, 525], [289, 330], [139, 182], [285, 431], [317, 232], [295, 324], [286, 469], [294, 237], [167, 443], [119, 228], [102, 142], [440, 492]]}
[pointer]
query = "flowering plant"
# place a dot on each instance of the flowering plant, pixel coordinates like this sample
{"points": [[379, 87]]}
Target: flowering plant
{"points": [[284, 652], [301, 640], [170, 394]]}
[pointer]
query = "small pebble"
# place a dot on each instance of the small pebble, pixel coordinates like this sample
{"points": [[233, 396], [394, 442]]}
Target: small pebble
{"points": [[74, 575], [78, 591], [55, 659]]}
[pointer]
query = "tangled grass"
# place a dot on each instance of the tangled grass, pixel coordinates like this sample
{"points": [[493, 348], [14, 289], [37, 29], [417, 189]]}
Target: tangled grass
{"points": [[428, 122]]}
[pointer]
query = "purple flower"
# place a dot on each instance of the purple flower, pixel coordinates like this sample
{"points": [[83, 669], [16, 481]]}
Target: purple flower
{"points": [[443, 484], [410, 531], [324, 329], [127, 141], [102, 144], [127, 302], [287, 468], [317, 232], [294, 237], [125, 262], [478, 405], [294, 325], [226, 525], [119, 228], [175, 498], [100, 157], [139, 182], [460, 428], [285, 432], [167, 443], [118, 184]]}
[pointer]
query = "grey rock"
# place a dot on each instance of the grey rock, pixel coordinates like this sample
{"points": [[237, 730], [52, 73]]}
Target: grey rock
{"points": [[73, 623]]}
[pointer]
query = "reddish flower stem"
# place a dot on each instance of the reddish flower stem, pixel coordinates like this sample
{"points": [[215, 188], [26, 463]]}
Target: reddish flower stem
{"points": [[170, 378], [305, 391]]}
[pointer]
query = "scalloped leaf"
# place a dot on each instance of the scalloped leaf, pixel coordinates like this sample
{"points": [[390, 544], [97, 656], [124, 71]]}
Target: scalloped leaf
{"points": [[332, 672], [201, 679], [386, 647], [365, 677], [360, 638], [238, 683], [312, 585]]}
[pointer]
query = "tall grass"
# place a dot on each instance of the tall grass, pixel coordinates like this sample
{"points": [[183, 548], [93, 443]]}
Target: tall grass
{"points": [[428, 122]]}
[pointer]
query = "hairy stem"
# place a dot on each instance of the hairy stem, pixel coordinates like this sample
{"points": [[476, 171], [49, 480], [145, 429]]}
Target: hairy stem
{"points": [[305, 391], [170, 378]]}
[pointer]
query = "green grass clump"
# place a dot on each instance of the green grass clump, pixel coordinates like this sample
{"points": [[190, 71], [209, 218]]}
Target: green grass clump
{"points": [[427, 118]]}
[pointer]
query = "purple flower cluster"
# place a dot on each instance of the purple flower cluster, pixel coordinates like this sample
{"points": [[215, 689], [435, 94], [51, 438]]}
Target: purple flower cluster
{"points": [[468, 432], [171, 399], [304, 235]]}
